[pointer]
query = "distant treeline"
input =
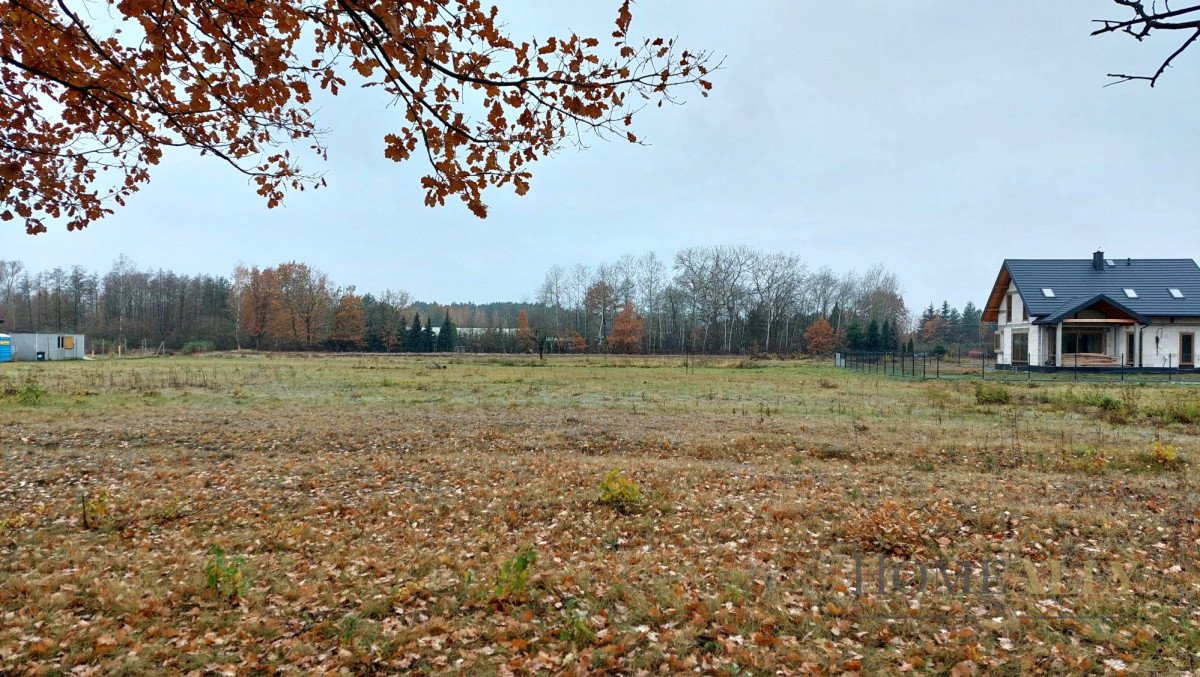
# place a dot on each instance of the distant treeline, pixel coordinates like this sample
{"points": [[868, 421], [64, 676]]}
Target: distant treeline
{"points": [[735, 299], [707, 300]]}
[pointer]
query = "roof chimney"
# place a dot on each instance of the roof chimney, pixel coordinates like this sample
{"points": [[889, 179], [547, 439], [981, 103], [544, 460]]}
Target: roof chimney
{"points": [[1098, 261]]}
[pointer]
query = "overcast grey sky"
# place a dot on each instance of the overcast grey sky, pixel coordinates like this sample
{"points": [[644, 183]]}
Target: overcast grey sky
{"points": [[934, 137]]}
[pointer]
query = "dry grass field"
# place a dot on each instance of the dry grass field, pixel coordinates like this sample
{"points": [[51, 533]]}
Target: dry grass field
{"points": [[250, 514]]}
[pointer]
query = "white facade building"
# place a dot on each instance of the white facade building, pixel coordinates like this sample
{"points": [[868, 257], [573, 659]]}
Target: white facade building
{"points": [[1137, 313]]}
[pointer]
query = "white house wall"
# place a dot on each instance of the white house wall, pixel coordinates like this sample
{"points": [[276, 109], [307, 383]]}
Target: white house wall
{"points": [[1165, 351], [1006, 327]]}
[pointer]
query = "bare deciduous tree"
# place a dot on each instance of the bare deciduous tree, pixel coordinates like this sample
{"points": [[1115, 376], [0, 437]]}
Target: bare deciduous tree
{"points": [[1147, 21]]}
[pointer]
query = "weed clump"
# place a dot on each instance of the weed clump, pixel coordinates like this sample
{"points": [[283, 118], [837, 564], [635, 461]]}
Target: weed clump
{"points": [[619, 492], [513, 576], [29, 394], [1186, 412], [94, 508], [226, 576], [1166, 454], [576, 629], [991, 393]]}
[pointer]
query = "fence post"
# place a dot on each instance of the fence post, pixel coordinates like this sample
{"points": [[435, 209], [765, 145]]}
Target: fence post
{"points": [[1076, 376], [937, 366], [924, 361]]}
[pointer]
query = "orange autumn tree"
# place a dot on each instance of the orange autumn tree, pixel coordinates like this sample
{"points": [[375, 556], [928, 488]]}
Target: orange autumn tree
{"points": [[820, 338], [526, 337], [91, 99], [349, 322], [261, 315], [628, 330]]}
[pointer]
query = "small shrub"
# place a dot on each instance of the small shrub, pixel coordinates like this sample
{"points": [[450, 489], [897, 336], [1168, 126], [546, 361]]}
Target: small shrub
{"points": [[193, 347], [827, 384], [620, 492], [31, 393], [95, 508], [12, 523], [1100, 400], [1166, 454], [514, 576], [226, 576], [991, 393]]}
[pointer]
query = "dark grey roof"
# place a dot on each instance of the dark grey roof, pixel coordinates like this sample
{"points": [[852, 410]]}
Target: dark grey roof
{"points": [[1075, 281]]}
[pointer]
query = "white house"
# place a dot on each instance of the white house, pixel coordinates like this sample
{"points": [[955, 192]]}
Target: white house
{"points": [[1098, 312]]}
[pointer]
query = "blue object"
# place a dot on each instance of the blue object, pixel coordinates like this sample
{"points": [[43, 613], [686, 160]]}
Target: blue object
{"points": [[5, 348]]}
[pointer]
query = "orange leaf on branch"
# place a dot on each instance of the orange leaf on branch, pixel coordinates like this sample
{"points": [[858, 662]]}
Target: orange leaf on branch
{"points": [[86, 117]]}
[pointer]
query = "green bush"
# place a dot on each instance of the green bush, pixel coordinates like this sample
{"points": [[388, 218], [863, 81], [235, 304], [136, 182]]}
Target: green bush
{"points": [[991, 393], [197, 346]]}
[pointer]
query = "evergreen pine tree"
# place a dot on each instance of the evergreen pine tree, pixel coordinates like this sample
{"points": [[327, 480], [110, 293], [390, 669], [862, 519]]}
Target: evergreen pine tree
{"points": [[447, 336], [911, 346], [427, 338], [414, 334], [401, 334], [887, 336], [873, 337], [855, 339]]}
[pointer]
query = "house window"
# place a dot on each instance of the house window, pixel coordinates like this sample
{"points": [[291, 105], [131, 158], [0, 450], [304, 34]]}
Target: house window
{"points": [[1048, 292], [60, 342], [1129, 293], [1175, 293]]}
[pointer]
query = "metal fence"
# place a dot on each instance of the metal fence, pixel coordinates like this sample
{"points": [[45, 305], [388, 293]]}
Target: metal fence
{"points": [[979, 364]]}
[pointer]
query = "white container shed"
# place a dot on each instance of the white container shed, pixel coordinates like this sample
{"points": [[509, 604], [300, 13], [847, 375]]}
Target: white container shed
{"points": [[53, 347]]}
